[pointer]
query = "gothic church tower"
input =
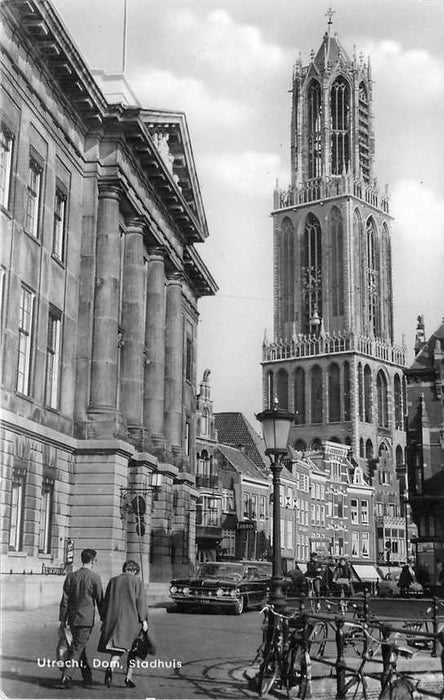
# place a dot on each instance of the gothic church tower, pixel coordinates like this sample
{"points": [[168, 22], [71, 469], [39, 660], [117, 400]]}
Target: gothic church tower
{"points": [[333, 361]]}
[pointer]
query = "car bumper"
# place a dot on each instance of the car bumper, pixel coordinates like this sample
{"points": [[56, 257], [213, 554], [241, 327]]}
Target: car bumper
{"points": [[207, 601]]}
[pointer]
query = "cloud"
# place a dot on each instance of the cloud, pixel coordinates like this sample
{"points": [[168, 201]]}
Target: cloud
{"points": [[410, 75], [222, 44], [160, 89], [418, 252], [247, 172]]}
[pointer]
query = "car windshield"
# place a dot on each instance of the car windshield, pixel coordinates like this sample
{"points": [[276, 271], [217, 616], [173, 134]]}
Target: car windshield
{"points": [[221, 570]]}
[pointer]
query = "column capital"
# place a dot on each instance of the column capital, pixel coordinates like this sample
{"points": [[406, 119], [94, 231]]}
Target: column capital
{"points": [[134, 224], [156, 253], [175, 277], [109, 189]]}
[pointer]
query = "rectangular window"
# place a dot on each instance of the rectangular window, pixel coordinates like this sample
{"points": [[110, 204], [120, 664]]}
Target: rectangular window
{"points": [[323, 515], [355, 544], [246, 505], [313, 514], [46, 512], [58, 234], [228, 501], [17, 510], [6, 146], [53, 359], [33, 200], [289, 534], [354, 514], [365, 540], [364, 512], [187, 437], [25, 340], [253, 507], [189, 359], [262, 507], [229, 542]]}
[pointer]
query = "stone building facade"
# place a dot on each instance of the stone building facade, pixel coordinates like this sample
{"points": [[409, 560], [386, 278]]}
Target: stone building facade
{"points": [[100, 282], [425, 443], [333, 361]]}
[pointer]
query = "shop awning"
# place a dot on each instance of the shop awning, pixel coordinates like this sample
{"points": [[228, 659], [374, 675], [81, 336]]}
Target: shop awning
{"points": [[366, 572]]}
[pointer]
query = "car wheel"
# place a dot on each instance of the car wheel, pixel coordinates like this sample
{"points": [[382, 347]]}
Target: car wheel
{"points": [[239, 606]]}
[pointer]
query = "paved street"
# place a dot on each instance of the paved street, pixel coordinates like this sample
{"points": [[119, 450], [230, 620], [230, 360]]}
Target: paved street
{"points": [[198, 656]]}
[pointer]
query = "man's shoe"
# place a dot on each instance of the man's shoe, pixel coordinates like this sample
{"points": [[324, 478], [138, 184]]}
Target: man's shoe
{"points": [[65, 683]]}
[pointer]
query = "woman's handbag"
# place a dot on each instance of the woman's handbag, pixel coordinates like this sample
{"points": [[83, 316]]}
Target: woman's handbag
{"points": [[143, 645], [64, 643]]}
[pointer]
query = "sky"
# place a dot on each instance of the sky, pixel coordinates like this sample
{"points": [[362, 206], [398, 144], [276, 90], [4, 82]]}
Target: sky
{"points": [[227, 64]]}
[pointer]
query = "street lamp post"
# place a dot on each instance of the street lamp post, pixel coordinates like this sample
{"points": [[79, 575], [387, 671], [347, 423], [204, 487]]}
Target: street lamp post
{"points": [[275, 428]]}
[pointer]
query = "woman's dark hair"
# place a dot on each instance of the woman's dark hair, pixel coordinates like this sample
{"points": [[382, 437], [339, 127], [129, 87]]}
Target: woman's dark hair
{"points": [[131, 565]]}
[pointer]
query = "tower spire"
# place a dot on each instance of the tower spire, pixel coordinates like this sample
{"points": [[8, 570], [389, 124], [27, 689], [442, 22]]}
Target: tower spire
{"points": [[328, 14]]}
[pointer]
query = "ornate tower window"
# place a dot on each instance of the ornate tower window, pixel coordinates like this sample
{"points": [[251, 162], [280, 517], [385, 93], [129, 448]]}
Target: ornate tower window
{"points": [[381, 387], [282, 388], [367, 394], [363, 127], [347, 389], [299, 396], [398, 403], [314, 129], [340, 126], [337, 267], [372, 279], [270, 389], [287, 270], [316, 394], [334, 393], [311, 272]]}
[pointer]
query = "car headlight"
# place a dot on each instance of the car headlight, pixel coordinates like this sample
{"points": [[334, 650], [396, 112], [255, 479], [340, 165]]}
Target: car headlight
{"points": [[219, 592], [234, 593], [186, 590], [173, 590]]}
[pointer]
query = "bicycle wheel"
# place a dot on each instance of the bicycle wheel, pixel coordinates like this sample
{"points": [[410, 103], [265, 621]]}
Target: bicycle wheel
{"points": [[267, 675], [400, 689], [317, 638], [356, 639], [356, 688]]}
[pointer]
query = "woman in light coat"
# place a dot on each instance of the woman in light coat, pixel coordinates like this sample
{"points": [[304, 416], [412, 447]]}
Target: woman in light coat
{"points": [[125, 612]]}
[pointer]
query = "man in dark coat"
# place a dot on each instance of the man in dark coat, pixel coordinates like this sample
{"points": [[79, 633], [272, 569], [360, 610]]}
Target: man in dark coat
{"points": [[82, 593]]}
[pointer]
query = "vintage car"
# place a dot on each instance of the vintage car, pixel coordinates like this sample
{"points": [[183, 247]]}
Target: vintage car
{"points": [[223, 585]]}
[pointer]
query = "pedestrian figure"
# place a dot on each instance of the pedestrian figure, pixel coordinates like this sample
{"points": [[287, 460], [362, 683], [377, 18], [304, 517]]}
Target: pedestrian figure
{"points": [[82, 593], [125, 613], [342, 577], [327, 577], [314, 573], [407, 577]]}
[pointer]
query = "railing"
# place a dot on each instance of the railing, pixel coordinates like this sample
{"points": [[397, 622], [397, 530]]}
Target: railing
{"points": [[321, 188], [285, 631], [327, 343]]}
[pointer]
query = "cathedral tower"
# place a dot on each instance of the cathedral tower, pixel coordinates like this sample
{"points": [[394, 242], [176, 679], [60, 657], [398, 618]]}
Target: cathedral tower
{"points": [[333, 361]]}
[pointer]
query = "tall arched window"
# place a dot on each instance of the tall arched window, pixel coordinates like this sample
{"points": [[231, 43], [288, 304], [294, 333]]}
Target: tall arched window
{"points": [[347, 390], [337, 267], [282, 388], [381, 388], [270, 389], [364, 136], [299, 396], [340, 126], [369, 449], [334, 393], [399, 456], [311, 271], [367, 394], [361, 448], [398, 402], [287, 270], [316, 394], [360, 274], [314, 129], [360, 393], [373, 291]]}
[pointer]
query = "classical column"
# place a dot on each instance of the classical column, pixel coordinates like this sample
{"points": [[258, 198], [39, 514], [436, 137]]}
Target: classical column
{"points": [[133, 323], [173, 361], [155, 347], [103, 391]]}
